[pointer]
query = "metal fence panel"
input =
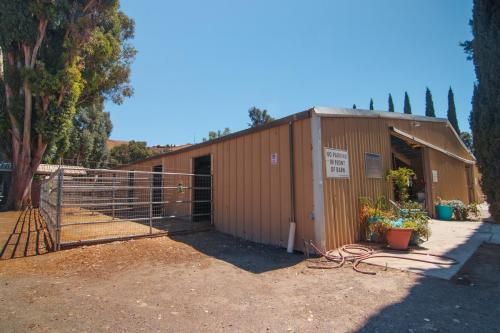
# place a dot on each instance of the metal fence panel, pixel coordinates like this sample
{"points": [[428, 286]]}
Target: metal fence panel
{"points": [[88, 205], [49, 194]]}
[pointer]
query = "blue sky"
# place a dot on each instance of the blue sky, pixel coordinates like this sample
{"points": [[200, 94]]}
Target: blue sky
{"points": [[202, 64]]}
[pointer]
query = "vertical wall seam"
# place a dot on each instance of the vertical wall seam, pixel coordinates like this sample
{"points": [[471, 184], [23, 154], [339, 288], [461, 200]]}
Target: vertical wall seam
{"points": [[318, 195]]}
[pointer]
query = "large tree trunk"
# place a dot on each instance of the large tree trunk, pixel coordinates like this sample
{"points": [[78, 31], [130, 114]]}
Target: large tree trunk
{"points": [[20, 189], [23, 170], [27, 153]]}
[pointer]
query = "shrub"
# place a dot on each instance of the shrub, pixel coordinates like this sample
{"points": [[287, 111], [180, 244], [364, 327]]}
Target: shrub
{"points": [[461, 211]]}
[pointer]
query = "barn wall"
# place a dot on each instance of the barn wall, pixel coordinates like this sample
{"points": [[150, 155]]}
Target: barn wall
{"points": [[251, 196], [359, 135], [452, 177], [341, 196]]}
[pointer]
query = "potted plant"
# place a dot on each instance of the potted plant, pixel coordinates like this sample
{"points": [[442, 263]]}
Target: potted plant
{"points": [[398, 238], [373, 210], [444, 211], [398, 227], [405, 228], [401, 178], [456, 209], [373, 217], [419, 222]]}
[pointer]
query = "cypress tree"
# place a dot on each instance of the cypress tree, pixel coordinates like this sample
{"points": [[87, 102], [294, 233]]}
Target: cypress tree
{"points": [[391, 104], [452, 113], [429, 104], [371, 103], [407, 106], [484, 50]]}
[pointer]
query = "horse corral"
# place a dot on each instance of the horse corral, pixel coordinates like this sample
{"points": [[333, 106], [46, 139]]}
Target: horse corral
{"points": [[91, 205]]}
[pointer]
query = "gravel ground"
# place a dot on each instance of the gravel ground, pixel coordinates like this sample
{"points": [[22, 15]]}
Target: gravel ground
{"points": [[212, 282]]}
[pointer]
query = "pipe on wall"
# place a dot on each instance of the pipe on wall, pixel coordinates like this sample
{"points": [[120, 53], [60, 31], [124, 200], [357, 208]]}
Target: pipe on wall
{"points": [[293, 224]]}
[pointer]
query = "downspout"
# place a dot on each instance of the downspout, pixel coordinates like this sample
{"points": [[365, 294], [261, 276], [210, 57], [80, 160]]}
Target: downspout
{"points": [[293, 224]]}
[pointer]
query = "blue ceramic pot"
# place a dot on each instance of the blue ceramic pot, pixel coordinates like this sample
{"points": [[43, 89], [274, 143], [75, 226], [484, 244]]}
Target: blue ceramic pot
{"points": [[444, 212]]}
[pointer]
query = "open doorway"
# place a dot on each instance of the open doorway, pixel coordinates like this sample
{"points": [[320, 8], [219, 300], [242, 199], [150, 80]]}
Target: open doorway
{"points": [[202, 188], [157, 190], [410, 155]]}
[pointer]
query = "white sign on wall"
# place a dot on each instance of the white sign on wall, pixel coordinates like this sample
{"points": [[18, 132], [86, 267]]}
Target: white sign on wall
{"points": [[337, 163], [274, 159], [434, 176]]}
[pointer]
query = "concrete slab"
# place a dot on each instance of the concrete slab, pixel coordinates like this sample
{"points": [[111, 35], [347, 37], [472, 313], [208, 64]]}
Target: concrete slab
{"points": [[458, 240]]}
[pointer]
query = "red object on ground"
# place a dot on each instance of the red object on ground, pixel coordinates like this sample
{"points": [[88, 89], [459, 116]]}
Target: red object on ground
{"points": [[398, 239]]}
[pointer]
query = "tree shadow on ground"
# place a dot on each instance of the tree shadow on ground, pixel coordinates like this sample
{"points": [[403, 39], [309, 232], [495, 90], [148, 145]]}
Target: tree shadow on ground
{"points": [[249, 256], [29, 236], [469, 302]]}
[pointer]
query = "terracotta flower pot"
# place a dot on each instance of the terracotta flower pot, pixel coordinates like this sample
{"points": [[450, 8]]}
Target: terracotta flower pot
{"points": [[398, 239]]}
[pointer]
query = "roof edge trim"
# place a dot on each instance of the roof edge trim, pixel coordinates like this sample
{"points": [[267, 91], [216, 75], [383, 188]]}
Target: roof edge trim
{"points": [[430, 145], [345, 113]]}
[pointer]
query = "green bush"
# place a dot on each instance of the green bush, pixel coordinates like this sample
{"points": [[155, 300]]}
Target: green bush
{"points": [[461, 211]]}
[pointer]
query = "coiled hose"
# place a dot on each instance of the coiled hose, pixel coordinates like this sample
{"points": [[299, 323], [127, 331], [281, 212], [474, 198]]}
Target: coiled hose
{"points": [[356, 254]]}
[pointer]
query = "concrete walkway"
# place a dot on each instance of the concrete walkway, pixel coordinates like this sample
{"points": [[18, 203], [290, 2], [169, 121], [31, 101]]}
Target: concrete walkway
{"points": [[458, 240]]}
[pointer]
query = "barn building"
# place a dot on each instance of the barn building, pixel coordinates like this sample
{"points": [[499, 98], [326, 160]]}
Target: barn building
{"points": [[312, 167]]}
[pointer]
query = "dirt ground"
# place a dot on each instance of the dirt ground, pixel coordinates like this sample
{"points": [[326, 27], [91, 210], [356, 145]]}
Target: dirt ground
{"points": [[212, 282], [78, 225], [23, 235]]}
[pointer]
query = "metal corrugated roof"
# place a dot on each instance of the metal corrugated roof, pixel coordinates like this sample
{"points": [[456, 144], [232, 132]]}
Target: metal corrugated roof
{"points": [[344, 112], [322, 112]]}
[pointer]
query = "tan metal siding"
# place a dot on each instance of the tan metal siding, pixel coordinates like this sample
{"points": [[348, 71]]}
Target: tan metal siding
{"points": [[452, 177], [341, 196], [358, 136], [303, 182], [251, 196]]}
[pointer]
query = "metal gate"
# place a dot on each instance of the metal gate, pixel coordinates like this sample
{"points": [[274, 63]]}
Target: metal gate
{"points": [[91, 205]]}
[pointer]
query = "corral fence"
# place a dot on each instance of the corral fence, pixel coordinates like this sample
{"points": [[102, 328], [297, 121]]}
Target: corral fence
{"points": [[83, 205]]}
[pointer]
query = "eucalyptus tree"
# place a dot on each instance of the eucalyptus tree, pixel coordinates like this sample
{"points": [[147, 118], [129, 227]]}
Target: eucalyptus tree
{"points": [[58, 56], [88, 136], [258, 117]]}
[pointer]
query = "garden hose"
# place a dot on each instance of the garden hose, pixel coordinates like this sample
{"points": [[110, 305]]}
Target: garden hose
{"points": [[356, 254]]}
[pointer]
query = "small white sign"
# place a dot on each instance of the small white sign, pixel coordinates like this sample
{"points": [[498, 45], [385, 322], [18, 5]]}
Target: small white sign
{"points": [[274, 159], [337, 163], [434, 176]]}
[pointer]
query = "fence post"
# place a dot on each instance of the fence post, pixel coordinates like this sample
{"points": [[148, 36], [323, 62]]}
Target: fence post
{"points": [[211, 199], [60, 183], [113, 189], [151, 205]]}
